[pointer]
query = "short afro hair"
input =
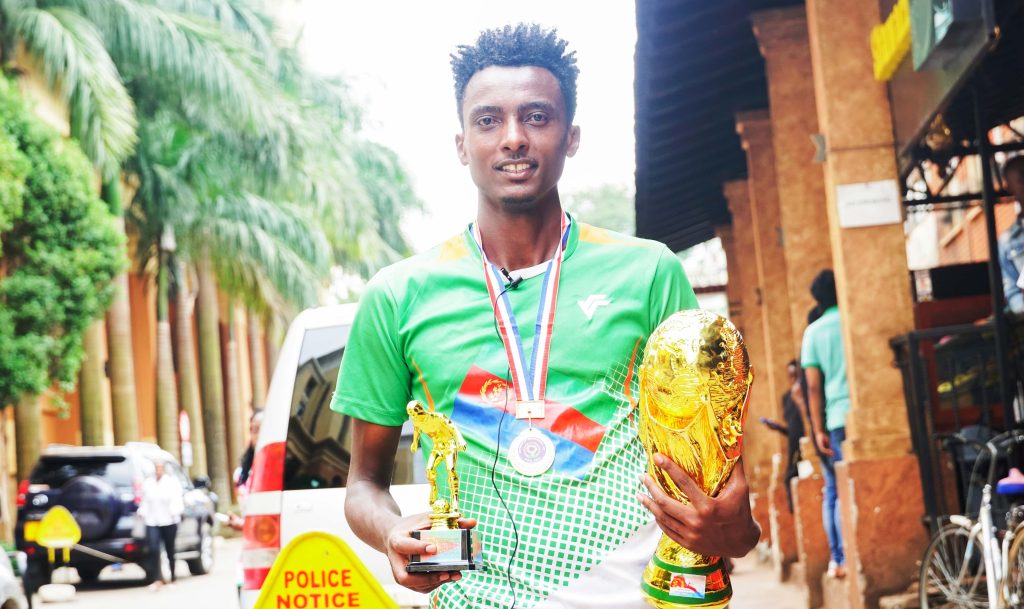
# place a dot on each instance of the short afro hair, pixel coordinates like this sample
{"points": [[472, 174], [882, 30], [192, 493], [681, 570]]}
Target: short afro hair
{"points": [[823, 289], [522, 45]]}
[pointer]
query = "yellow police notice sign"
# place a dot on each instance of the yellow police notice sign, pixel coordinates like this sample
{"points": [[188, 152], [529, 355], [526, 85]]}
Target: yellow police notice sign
{"points": [[319, 571], [58, 529]]}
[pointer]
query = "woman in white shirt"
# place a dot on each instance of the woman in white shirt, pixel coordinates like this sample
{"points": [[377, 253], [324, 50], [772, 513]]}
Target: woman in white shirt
{"points": [[161, 510]]}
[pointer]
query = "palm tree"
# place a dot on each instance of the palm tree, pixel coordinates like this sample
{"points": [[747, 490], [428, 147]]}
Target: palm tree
{"points": [[230, 158], [87, 50], [188, 375], [193, 185]]}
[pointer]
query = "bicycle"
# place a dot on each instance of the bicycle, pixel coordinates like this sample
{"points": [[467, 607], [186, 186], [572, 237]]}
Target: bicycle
{"points": [[969, 563]]}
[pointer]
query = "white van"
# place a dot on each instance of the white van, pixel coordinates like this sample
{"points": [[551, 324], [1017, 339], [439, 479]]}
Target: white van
{"points": [[303, 454]]}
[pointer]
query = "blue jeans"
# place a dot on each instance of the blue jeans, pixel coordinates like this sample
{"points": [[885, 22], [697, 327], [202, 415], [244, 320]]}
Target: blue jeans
{"points": [[830, 502]]}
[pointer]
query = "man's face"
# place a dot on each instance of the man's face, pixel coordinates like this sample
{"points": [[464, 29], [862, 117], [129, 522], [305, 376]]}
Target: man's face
{"points": [[793, 373], [515, 135], [1015, 184]]}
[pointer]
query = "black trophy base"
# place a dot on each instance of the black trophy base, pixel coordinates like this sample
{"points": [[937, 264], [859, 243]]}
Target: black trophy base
{"points": [[457, 550]]}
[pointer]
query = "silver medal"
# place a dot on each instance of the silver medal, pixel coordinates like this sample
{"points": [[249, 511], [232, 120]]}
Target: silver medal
{"points": [[532, 453]]}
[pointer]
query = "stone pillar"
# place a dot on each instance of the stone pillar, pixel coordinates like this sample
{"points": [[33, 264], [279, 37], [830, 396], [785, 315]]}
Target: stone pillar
{"points": [[811, 543], [755, 133], [879, 483], [782, 37], [758, 443], [784, 547], [733, 292]]}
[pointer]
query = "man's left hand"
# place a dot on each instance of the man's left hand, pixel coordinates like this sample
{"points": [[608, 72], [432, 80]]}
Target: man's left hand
{"points": [[713, 526]]}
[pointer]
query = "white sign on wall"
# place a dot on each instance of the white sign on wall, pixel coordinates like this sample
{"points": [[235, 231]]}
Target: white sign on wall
{"points": [[869, 204]]}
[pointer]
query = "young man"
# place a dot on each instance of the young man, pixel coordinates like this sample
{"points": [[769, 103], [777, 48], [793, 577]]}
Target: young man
{"points": [[824, 363], [527, 304], [1011, 242]]}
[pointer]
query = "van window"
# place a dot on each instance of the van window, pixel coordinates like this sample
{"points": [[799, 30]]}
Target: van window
{"points": [[318, 450]]}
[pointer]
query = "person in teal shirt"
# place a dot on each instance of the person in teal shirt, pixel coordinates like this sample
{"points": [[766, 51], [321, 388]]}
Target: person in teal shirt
{"points": [[824, 362]]}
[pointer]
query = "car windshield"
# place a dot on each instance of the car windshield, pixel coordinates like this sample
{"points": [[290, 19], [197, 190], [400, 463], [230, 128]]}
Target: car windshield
{"points": [[56, 471]]}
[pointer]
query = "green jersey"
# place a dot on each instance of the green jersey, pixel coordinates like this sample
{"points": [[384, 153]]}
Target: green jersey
{"points": [[426, 330]]}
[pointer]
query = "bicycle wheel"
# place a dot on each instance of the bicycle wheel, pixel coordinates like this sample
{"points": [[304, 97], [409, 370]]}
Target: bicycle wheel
{"points": [[953, 571], [1015, 570]]}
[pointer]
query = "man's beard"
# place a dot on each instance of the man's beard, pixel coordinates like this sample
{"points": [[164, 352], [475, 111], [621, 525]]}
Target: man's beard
{"points": [[519, 204]]}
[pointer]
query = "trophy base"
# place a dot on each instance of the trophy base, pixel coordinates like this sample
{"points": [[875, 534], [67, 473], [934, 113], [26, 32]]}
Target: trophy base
{"points": [[670, 586], [457, 550]]}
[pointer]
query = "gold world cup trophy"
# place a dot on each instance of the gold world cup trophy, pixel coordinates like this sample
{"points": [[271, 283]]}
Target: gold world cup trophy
{"points": [[694, 382], [457, 549]]}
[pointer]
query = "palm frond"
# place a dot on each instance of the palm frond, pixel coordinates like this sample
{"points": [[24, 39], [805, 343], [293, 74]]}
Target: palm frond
{"points": [[69, 50], [195, 54], [258, 248]]}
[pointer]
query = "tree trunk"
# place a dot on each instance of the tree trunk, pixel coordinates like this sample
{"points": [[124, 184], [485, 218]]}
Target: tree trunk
{"points": [[275, 336], [236, 421], [258, 363], [28, 417], [166, 394], [7, 518], [212, 384], [90, 387], [122, 364], [188, 378]]}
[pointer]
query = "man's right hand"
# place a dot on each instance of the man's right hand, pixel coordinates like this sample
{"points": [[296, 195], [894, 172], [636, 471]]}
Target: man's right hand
{"points": [[401, 546], [824, 443]]}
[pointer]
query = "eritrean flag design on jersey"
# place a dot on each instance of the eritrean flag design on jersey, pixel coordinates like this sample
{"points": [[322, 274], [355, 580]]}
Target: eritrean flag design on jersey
{"points": [[483, 398]]}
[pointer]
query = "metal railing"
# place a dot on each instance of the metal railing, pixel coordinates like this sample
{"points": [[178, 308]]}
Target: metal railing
{"points": [[952, 384]]}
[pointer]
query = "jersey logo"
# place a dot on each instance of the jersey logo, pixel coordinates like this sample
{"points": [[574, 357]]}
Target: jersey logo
{"points": [[593, 301], [478, 412]]}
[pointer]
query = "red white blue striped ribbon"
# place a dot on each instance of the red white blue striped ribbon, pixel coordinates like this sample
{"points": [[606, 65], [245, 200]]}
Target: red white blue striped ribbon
{"points": [[529, 382]]}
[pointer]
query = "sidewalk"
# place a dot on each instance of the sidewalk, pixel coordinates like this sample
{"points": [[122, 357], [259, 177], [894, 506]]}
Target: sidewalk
{"points": [[755, 586]]}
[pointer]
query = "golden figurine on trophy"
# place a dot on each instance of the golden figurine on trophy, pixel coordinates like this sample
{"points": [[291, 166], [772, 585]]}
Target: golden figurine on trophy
{"points": [[694, 382], [457, 549]]}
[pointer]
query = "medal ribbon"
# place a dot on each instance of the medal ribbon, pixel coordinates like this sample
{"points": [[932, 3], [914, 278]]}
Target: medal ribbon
{"points": [[529, 382]]}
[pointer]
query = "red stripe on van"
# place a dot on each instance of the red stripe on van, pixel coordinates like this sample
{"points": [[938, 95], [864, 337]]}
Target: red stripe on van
{"points": [[268, 468], [252, 579]]}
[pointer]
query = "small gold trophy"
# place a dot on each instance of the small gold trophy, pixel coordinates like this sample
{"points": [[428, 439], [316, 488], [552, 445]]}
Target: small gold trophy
{"points": [[694, 382], [457, 549]]}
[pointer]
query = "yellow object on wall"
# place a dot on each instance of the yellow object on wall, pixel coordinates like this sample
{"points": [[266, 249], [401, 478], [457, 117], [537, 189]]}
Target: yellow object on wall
{"points": [[890, 41]]}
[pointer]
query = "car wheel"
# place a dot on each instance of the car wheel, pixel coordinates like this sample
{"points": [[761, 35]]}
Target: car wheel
{"points": [[203, 564], [88, 575]]}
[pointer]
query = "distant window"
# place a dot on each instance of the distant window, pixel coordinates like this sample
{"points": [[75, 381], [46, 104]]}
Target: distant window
{"points": [[320, 440], [56, 471]]}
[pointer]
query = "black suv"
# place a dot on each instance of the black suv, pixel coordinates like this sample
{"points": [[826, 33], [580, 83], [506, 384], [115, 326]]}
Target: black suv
{"points": [[102, 487]]}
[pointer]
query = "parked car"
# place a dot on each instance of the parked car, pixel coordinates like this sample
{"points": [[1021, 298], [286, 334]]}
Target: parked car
{"points": [[102, 488], [302, 458]]}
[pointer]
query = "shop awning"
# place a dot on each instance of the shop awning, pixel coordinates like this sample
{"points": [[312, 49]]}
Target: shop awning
{"points": [[697, 65]]}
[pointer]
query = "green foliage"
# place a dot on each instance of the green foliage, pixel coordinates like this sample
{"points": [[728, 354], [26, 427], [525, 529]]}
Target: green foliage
{"points": [[13, 171], [203, 103], [269, 208], [61, 252], [608, 206], [69, 51]]}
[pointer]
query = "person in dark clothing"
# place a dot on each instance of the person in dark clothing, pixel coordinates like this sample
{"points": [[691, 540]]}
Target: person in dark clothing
{"points": [[793, 426], [250, 453]]}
